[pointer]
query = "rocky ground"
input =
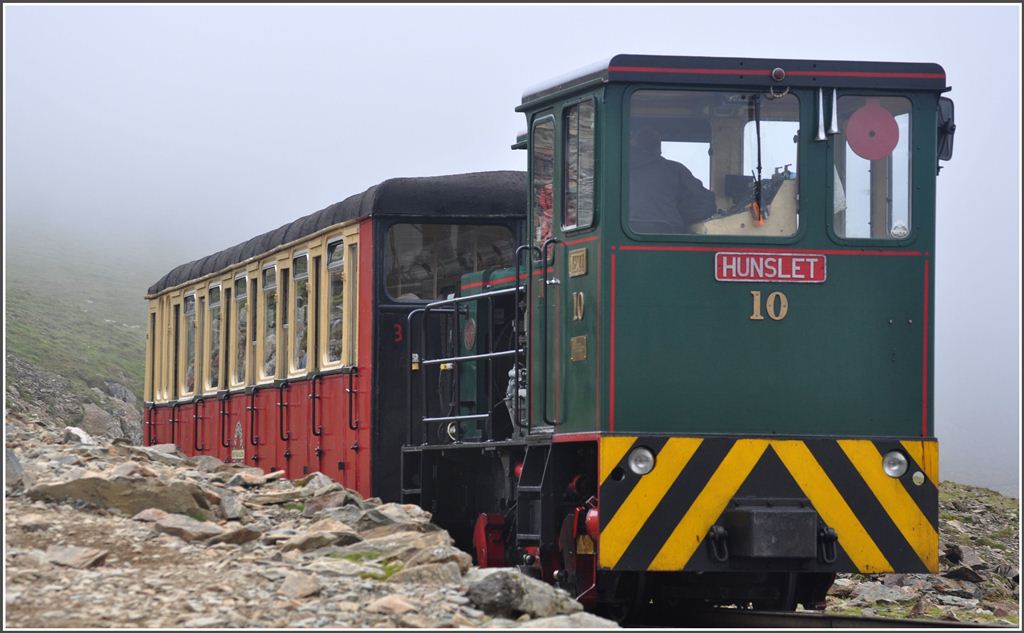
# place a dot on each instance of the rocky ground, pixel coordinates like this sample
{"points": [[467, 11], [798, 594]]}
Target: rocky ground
{"points": [[108, 411], [115, 535], [109, 534], [979, 576]]}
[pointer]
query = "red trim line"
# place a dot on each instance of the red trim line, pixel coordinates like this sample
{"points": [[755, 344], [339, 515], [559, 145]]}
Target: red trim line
{"points": [[584, 436], [501, 280], [715, 249], [858, 73], [582, 240], [924, 358], [761, 72], [611, 356]]}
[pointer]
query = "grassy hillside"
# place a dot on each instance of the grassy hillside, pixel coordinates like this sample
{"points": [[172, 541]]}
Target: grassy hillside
{"points": [[76, 308]]}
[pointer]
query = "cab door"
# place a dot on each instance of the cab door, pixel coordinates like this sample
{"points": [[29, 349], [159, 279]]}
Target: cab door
{"points": [[564, 295]]}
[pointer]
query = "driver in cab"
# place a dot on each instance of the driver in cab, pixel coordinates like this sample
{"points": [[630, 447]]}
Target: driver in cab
{"points": [[664, 196]]}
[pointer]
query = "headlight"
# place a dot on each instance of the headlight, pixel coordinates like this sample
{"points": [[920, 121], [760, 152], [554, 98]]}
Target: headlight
{"points": [[894, 464], [641, 461]]}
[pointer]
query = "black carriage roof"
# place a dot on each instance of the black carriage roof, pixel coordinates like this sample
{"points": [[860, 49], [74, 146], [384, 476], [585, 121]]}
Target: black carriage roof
{"points": [[497, 194], [744, 71]]}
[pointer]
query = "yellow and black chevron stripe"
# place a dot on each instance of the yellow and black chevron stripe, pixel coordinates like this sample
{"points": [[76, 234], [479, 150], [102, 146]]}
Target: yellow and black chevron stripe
{"points": [[658, 521]]}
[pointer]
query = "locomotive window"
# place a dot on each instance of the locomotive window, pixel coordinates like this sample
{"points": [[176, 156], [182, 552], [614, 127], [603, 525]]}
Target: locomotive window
{"points": [[427, 261], [213, 366], [300, 327], [335, 299], [188, 385], [872, 168], [542, 145], [268, 369], [241, 332], [714, 163], [579, 166]]}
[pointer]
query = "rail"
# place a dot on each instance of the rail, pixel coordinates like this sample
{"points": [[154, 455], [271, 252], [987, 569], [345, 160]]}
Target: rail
{"points": [[750, 619]]}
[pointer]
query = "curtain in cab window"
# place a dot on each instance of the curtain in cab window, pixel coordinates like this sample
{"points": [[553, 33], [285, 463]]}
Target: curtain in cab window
{"points": [[542, 168]]}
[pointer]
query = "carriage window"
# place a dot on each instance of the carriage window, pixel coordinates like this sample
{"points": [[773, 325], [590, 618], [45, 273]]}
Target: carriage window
{"points": [[872, 168], [713, 163], [241, 330], [542, 172], [269, 367], [427, 261], [189, 341], [335, 299], [213, 367], [579, 166], [300, 275]]}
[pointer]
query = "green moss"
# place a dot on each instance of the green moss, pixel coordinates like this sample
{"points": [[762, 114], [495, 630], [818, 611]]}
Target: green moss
{"points": [[297, 506], [389, 569]]}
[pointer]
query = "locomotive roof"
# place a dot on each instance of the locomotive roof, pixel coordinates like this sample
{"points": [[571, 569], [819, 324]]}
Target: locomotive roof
{"points": [[473, 195], [741, 71]]}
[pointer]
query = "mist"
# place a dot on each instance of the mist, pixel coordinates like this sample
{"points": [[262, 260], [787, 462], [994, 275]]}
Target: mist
{"points": [[171, 132]]}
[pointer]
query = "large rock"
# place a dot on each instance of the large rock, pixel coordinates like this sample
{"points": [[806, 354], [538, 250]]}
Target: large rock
{"points": [[582, 620], [315, 539], [872, 592], [298, 585], [99, 423], [430, 574], [162, 453], [75, 435], [330, 500], [402, 546], [442, 554], [77, 557], [128, 495], [13, 472], [506, 592], [119, 391], [391, 518], [236, 535], [187, 528]]}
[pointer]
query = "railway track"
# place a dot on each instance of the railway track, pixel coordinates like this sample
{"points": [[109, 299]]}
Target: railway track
{"points": [[748, 619]]}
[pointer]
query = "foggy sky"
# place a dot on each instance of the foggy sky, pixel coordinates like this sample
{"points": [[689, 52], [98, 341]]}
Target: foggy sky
{"points": [[187, 129]]}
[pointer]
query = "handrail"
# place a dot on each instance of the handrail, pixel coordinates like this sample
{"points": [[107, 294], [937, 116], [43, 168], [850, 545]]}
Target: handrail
{"points": [[515, 334], [149, 425], [281, 404], [223, 414], [410, 372], [312, 405], [351, 397], [459, 359], [544, 341], [174, 422], [195, 423], [253, 438]]}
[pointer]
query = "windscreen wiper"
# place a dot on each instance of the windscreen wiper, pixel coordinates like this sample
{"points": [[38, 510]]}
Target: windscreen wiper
{"points": [[758, 213]]}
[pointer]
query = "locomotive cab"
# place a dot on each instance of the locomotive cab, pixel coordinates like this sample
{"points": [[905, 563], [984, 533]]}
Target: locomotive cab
{"points": [[729, 327]]}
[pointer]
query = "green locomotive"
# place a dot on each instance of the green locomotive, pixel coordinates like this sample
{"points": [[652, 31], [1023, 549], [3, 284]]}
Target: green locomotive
{"points": [[708, 377]]}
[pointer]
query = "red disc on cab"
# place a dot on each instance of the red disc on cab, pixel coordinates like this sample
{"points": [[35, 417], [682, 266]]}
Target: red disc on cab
{"points": [[872, 131]]}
